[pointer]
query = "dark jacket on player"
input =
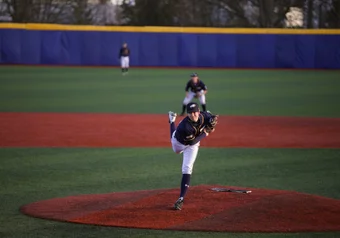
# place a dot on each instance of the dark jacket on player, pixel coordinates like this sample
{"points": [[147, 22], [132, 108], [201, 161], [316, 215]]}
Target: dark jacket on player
{"points": [[124, 51], [189, 132], [195, 87]]}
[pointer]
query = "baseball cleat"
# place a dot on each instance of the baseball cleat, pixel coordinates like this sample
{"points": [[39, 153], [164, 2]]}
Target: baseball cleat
{"points": [[178, 204], [172, 117]]}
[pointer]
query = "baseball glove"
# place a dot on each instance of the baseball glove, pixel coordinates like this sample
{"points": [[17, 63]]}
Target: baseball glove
{"points": [[198, 94], [210, 127]]}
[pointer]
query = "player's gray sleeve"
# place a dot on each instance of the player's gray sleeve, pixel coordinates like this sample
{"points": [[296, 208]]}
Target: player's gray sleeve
{"points": [[197, 139]]}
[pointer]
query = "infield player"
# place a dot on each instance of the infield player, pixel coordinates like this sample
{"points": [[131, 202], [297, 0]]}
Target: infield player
{"points": [[124, 57], [195, 88], [185, 139]]}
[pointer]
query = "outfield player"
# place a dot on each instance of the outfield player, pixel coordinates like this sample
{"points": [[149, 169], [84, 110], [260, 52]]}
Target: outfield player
{"points": [[124, 56], [186, 139], [195, 88]]}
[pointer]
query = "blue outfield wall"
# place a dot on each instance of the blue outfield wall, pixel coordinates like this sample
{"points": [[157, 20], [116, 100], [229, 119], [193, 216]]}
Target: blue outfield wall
{"points": [[100, 48]]}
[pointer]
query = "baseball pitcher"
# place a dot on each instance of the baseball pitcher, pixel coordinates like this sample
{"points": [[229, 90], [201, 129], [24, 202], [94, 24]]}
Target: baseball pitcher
{"points": [[185, 139], [195, 88], [124, 56]]}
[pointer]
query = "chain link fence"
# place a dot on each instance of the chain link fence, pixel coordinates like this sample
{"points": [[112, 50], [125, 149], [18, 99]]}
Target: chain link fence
{"points": [[197, 13]]}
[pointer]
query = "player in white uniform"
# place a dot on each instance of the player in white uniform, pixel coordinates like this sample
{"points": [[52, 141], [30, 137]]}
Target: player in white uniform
{"points": [[186, 139], [124, 56], [195, 88]]}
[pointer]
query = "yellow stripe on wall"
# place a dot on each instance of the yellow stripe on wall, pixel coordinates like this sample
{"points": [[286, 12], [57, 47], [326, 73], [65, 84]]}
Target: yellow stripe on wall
{"points": [[12, 26], [156, 29]]}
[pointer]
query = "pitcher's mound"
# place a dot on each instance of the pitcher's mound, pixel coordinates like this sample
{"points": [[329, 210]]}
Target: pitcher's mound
{"points": [[204, 210]]}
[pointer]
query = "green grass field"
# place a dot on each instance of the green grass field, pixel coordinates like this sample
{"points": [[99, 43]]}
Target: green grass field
{"points": [[234, 92], [31, 174]]}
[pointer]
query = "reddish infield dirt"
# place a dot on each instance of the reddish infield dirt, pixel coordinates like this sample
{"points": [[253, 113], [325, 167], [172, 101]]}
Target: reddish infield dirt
{"points": [[128, 130], [204, 210]]}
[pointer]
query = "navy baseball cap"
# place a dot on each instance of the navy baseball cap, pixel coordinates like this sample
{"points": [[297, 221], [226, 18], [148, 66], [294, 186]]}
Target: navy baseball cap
{"points": [[194, 75], [192, 107]]}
